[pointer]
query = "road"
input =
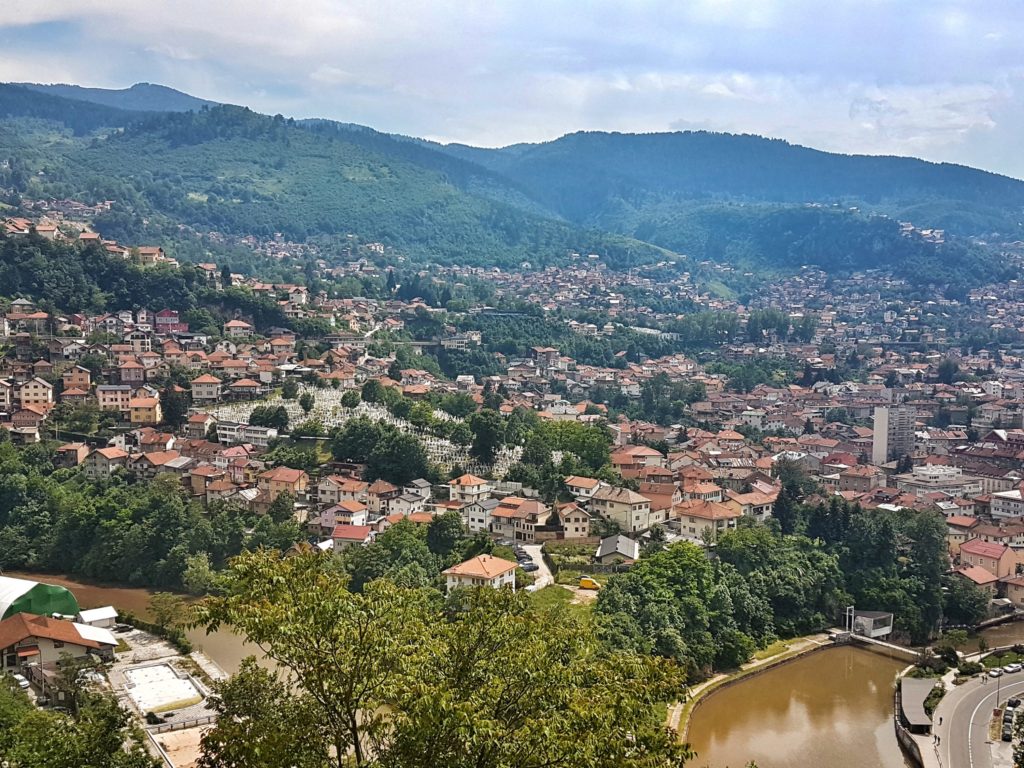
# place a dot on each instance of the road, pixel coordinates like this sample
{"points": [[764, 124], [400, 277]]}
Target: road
{"points": [[966, 712], [542, 576]]}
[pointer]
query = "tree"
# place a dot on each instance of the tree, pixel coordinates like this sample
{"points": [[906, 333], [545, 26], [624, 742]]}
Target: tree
{"points": [[445, 533], [488, 434], [350, 399], [307, 401], [963, 602], [282, 508], [397, 457], [260, 718], [391, 677], [100, 735], [174, 405], [166, 609], [290, 389], [373, 391], [395, 371], [461, 434], [947, 370], [269, 416], [199, 577], [356, 440], [225, 276]]}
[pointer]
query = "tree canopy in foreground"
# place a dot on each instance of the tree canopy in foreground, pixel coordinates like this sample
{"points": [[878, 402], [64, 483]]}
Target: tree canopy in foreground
{"points": [[400, 678]]}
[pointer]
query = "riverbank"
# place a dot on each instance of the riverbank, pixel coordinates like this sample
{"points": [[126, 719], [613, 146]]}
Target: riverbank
{"points": [[679, 713]]}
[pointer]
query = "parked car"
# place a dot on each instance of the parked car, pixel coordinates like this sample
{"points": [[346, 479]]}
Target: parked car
{"points": [[20, 680], [530, 567], [1013, 703], [1008, 716], [1007, 732], [588, 583], [1011, 668], [997, 672]]}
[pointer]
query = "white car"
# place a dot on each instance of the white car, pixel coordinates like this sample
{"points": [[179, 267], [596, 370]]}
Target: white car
{"points": [[1011, 668], [21, 680], [996, 672]]}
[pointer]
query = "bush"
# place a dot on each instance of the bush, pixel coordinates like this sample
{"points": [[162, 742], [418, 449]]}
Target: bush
{"points": [[971, 668], [933, 698]]}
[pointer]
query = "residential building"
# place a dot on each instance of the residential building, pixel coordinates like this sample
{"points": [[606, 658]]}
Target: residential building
{"points": [[617, 549], [482, 571], [99, 464], [145, 410], [205, 389], [628, 508], [469, 489], [893, 435], [280, 480], [27, 639], [705, 520]]}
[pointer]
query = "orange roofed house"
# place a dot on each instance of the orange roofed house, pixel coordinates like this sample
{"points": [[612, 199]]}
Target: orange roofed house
{"points": [[280, 480], [482, 571]]}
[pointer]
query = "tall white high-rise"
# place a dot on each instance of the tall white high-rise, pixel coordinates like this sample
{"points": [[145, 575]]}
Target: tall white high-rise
{"points": [[893, 433]]}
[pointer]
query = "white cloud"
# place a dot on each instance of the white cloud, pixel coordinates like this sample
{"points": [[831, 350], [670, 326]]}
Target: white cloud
{"points": [[938, 78]]}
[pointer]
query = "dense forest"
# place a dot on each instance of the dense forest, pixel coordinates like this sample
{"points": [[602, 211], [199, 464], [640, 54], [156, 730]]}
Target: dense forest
{"points": [[630, 199], [143, 533]]}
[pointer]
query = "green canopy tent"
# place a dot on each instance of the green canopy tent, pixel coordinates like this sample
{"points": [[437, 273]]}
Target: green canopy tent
{"points": [[24, 596]]}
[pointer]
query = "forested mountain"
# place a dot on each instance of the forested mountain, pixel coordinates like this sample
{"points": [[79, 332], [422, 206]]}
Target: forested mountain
{"points": [[591, 176], [232, 170], [760, 204], [80, 117], [141, 97]]}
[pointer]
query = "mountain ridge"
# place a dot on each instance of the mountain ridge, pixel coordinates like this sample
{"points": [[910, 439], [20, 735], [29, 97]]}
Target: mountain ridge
{"points": [[139, 97], [746, 200]]}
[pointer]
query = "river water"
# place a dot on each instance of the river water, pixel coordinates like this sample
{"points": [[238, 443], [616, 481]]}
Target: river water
{"points": [[829, 709]]}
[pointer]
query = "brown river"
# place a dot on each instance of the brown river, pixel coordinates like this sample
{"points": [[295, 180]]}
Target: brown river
{"points": [[832, 708]]}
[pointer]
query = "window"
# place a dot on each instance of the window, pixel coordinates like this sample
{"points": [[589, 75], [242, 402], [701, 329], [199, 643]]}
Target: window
{"points": [[58, 644]]}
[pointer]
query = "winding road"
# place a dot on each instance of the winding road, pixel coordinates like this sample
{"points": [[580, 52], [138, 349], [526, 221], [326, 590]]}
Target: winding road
{"points": [[966, 712]]}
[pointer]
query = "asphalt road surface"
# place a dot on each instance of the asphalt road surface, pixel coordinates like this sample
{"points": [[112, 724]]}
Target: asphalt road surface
{"points": [[966, 712]]}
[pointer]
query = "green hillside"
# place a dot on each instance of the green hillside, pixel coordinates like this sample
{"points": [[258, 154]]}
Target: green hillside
{"points": [[761, 204], [232, 170], [589, 176]]}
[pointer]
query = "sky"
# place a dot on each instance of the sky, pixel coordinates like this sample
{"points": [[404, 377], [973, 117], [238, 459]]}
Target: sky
{"points": [[938, 80]]}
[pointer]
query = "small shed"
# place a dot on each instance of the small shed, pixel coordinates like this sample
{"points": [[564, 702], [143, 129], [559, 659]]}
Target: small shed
{"points": [[105, 617]]}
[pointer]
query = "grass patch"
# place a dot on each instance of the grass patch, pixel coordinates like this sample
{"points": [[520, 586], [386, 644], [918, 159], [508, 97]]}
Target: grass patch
{"points": [[122, 646], [1001, 659], [779, 646], [180, 704], [557, 598]]}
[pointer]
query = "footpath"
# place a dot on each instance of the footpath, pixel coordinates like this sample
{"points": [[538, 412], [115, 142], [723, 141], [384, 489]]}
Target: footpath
{"points": [[678, 716]]}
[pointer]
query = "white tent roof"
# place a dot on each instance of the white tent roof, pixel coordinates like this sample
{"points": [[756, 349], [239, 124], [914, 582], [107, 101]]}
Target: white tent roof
{"points": [[11, 590]]}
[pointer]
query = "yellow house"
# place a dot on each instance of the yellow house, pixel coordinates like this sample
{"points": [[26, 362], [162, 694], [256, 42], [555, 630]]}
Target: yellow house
{"points": [[145, 410], [279, 480]]}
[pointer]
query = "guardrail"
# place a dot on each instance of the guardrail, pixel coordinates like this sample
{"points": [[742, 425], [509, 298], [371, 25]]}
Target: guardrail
{"points": [[182, 725]]}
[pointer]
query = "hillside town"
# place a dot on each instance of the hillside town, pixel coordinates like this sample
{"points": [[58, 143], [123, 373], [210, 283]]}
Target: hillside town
{"points": [[881, 408]]}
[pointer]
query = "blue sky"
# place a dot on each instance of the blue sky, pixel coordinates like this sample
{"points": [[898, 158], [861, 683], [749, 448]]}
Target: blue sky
{"points": [[939, 80]]}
